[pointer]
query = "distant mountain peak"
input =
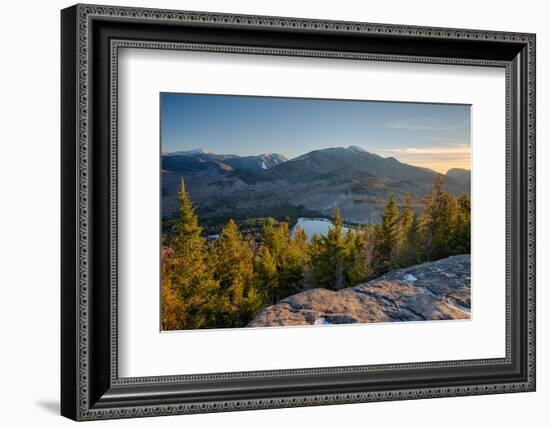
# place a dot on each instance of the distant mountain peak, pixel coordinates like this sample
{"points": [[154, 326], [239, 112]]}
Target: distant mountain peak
{"points": [[356, 148], [355, 180], [197, 151], [393, 159], [202, 159], [458, 170], [461, 176]]}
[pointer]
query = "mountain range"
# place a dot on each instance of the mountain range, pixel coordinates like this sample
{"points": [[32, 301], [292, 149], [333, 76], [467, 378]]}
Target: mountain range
{"points": [[358, 182], [200, 159]]}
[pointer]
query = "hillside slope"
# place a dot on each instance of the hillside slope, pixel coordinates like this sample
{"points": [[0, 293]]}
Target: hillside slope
{"points": [[356, 181]]}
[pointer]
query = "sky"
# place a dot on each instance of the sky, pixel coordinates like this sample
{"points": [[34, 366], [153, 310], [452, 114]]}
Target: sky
{"points": [[436, 136]]}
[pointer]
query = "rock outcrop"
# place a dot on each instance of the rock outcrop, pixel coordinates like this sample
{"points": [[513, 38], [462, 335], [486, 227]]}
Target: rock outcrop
{"points": [[437, 290]]}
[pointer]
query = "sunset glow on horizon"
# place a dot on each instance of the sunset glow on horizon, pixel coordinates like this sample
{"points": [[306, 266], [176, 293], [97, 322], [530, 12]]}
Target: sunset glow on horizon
{"points": [[437, 158]]}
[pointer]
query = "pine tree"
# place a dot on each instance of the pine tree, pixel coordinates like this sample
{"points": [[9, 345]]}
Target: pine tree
{"points": [[290, 254], [294, 266], [268, 276], [173, 310], [328, 255], [440, 215], [412, 249], [356, 266], [335, 243], [276, 238], [406, 214], [186, 276], [319, 268], [387, 239], [233, 269], [369, 231], [187, 239], [462, 239]]}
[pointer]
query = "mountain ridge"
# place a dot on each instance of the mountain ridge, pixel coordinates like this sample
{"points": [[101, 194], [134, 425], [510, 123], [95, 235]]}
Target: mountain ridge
{"points": [[204, 152], [353, 179]]}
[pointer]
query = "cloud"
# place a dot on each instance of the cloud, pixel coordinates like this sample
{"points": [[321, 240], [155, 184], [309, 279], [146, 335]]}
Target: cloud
{"points": [[424, 124], [439, 158], [451, 149]]}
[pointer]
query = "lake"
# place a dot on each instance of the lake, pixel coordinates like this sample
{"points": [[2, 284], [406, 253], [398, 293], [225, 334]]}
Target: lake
{"points": [[314, 226]]}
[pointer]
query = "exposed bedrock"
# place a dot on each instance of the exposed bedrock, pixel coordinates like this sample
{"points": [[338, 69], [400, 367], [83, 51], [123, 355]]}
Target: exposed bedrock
{"points": [[438, 290]]}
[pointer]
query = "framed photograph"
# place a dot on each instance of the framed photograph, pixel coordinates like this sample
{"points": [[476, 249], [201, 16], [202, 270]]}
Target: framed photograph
{"points": [[263, 212]]}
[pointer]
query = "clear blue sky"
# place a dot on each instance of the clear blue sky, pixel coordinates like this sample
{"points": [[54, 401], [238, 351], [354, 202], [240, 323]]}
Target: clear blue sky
{"points": [[428, 135]]}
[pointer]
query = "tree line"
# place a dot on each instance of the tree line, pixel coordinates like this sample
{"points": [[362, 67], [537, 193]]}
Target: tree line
{"points": [[226, 281]]}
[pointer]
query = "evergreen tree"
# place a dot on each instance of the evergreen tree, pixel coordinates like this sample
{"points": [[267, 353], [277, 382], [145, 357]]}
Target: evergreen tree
{"points": [[319, 269], [369, 231], [406, 214], [186, 275], [276, 238], [462, 240], [328, 255], [356, 265], [336, 247], [290, 254], [187, 239], [440, 216], [173, 309], [412, 249], [240, 293], [266, 268], [387, 239], [294, 265]]}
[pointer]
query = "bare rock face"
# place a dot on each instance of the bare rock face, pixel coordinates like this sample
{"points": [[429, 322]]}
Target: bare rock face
{"points": [[437, 290]]}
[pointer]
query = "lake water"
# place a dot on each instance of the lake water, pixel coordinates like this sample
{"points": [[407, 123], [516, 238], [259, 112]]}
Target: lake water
{"points": [[314, 226]]}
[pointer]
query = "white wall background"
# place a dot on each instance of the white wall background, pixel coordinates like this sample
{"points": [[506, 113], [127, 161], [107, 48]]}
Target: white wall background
{"points": [[29, 213]]}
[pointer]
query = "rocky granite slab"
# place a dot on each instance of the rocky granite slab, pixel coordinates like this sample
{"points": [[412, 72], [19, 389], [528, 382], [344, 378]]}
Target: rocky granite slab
{"points": [[438, 290]]}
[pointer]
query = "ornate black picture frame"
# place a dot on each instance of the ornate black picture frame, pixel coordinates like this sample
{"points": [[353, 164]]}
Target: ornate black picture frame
{"points": [[91, 36]]}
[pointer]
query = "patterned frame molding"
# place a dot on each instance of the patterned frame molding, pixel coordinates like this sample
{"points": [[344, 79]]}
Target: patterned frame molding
{"points": [[80, 400], [116, 45]]}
